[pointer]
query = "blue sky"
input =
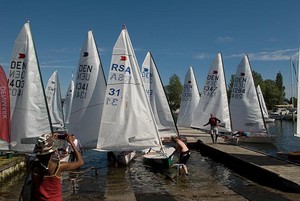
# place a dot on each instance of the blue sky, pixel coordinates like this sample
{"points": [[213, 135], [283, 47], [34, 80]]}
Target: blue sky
{"points": [[179, 33]]}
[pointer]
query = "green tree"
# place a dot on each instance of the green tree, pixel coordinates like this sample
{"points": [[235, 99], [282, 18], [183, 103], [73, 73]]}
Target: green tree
{"points": [[229, 87], [271, 94], [280, 87], [173, 91], [258, 80]]}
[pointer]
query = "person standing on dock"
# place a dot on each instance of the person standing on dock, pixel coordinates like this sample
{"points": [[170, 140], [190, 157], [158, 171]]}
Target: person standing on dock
{"points": [[183, 150], [213, 121]]}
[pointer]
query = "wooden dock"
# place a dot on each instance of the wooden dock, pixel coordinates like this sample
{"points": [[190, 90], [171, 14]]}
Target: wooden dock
{"points": [[257, 166]]}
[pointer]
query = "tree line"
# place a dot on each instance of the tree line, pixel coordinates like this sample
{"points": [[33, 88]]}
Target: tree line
{"points": [[272, 90]]}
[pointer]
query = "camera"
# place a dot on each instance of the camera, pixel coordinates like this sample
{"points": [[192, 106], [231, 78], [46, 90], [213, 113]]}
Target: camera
{"points": [[61, 136]]}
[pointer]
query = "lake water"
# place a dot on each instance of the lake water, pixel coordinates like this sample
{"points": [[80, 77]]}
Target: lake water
{"points": [[208, 180]]}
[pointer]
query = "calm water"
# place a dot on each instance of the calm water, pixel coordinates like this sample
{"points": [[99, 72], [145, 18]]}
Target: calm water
{"points": [[208, 180]]}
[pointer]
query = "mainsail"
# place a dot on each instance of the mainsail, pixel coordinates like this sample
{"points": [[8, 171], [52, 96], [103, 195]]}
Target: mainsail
{"points": [[262, 102], [4, 108], [127, 122], [214, 98], [53, 96], [68, 101], [297, 134], [245, 110], [88, 96], [189, 100], [157, 97], [29, 111]]}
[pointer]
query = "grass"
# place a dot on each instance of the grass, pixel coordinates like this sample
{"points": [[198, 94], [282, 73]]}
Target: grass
{"points": [[4, 160]]}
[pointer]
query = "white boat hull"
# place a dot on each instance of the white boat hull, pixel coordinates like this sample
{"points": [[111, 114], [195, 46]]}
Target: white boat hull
{"points": [[125, 157], [158, 159], [269, 120], [270, 139]]}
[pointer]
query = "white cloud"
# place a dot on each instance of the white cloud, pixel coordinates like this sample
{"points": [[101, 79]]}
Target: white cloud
{"points": [[201, 56], [277, 55], [224, 39]]}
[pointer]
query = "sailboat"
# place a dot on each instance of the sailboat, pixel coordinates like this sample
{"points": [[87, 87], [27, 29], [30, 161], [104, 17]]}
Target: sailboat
{"points": [[189, 100], [295, 155], [263, 106], [54, 102], [213, 99], [158, 99], [246, 114], [88, 98], [29, 112], [161, 110], [68, 101], [127, 123], [4, 112]]}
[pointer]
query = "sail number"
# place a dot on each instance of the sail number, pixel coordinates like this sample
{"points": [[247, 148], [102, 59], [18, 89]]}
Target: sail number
{"points": [[16, 87], [209, 90], [186, 96], [81, 90], [114, 97]]}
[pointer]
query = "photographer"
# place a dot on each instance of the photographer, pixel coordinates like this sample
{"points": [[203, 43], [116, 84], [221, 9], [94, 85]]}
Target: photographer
{"points": [[47, 169]]}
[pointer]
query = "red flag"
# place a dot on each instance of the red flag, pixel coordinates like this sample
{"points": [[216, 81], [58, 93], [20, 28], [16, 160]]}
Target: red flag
{"points": [[242, 74], [215, 72], [123, 58], [4, 108], [21, 56]]}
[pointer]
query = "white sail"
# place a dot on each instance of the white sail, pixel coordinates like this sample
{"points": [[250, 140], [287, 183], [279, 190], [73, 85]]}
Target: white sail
{"points": [[214, 98], [189, 100], [262, 102], [127, 122], [68, 101], [29, 112], [297, 134], [245, 110], [157, 97], [88, 96], [53, 96]]}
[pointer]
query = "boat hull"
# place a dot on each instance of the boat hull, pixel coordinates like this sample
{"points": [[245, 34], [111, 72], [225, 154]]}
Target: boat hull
{"points": [[124, 158], [159, 160]]}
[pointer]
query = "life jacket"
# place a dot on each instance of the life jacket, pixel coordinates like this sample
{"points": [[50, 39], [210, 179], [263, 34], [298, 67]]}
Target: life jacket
{"points": [[213, 121]]}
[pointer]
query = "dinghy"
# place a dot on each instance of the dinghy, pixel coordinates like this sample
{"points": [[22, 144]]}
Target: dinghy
{"points": [[213, 99], [54, 102], [189, 100], [127, 123], [29, 112], [246, 114], [160, 158], [88, 97]]}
